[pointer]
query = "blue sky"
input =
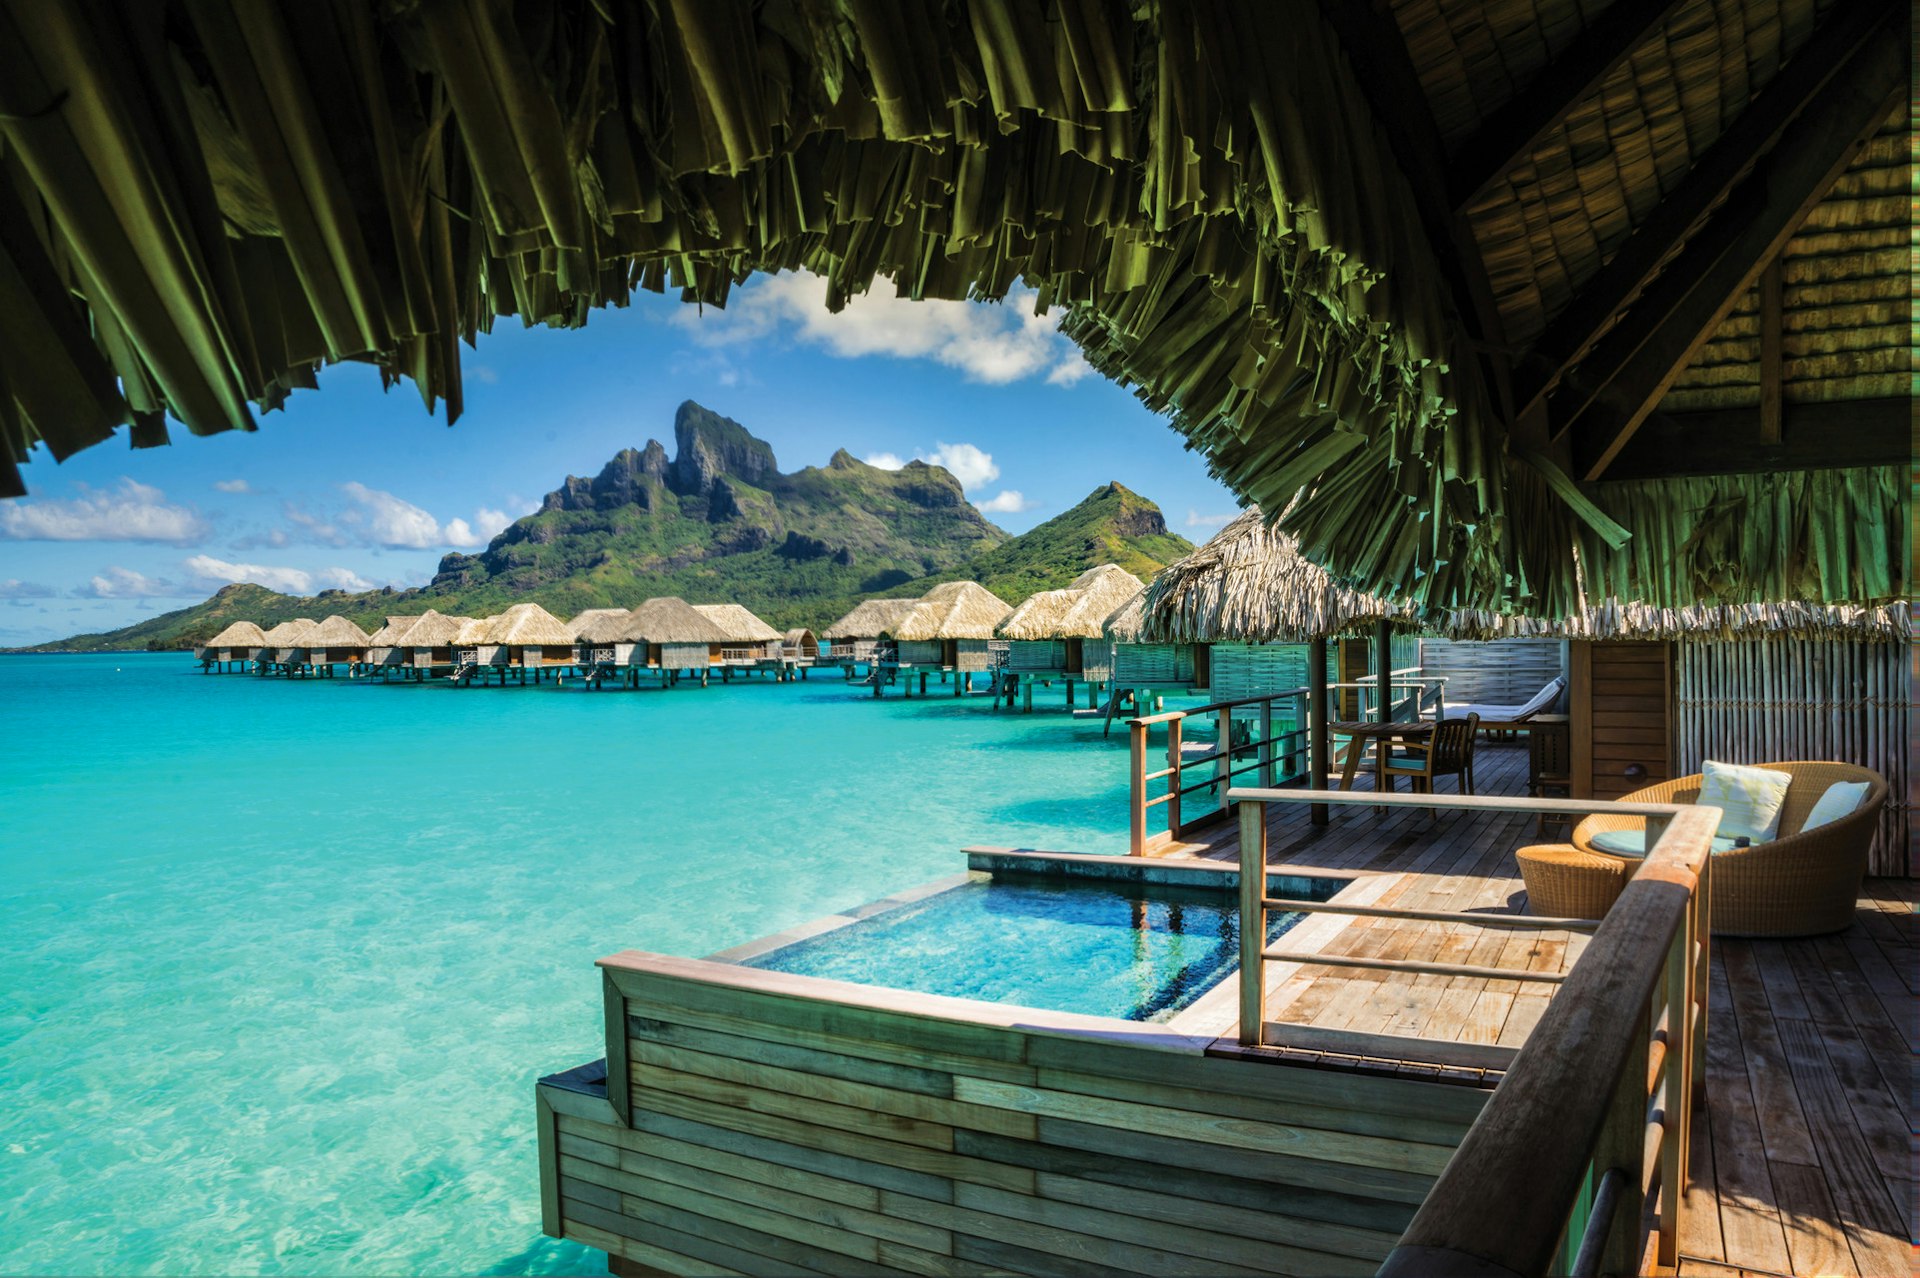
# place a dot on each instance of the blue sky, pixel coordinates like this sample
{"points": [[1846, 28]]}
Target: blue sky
{"points": [[352, 486]]}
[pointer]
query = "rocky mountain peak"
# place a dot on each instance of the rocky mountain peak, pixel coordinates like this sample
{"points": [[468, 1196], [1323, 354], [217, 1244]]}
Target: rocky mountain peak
{"points": [[707, 446]]}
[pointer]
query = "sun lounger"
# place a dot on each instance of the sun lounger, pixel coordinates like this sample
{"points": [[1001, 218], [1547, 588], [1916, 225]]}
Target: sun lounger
{"points": [[1498, 716]]}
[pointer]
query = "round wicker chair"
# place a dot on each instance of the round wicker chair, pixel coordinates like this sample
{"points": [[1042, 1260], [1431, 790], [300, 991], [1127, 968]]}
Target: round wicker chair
{"points": [[1797, 884]]}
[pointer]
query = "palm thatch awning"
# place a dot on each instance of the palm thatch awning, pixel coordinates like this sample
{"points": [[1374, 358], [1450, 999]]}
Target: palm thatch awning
{"points": [[241, 634], [599, 625], [1251, 584], [336, 632], [289, 634], [670, 619], [739, 623], [524, 625], [955, 610], [872, 619], [1886, 623], [388, 635], [432, 630], [1417, 276]]}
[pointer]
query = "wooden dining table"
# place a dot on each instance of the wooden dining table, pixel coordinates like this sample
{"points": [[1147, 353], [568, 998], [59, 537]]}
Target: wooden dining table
{"points": [[1382, 736]]}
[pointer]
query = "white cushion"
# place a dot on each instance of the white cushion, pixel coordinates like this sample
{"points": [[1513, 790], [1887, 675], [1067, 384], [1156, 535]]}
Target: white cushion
{"points": [[1633, 842], [1749, 799], [1842, 798], [1509, 713]]}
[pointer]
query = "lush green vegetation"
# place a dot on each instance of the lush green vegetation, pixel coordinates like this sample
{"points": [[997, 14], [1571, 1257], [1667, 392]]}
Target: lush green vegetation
{"points": [[720, 524]]}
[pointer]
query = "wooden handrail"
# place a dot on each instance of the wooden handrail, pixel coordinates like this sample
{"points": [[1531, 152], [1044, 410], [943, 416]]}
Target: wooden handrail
{"points": [[1273, 755]]}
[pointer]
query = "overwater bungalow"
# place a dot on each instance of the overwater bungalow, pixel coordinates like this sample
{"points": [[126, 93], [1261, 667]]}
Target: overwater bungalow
{"points": [[671, 640], [1048, 635], [525, 638], [751, 643], [859, 637], [283, 650], [799, 648], [1134, 668], [335, 642], [426, 648], [383, 654], [598, 650], [235, 648], [1506, 307], [950, 632]]}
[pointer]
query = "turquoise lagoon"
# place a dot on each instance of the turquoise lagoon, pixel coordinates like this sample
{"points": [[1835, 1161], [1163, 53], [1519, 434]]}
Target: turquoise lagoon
{"points": [[281, 960]]}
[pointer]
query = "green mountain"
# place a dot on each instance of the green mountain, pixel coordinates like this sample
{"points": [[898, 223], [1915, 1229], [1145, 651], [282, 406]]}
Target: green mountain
{"points": [[720, 522]]}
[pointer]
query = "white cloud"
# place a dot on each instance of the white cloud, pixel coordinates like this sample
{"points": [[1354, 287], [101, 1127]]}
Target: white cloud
{"points": [[1197, 520], [485, 374], [972, 467], [292, 581], [232, 486], [885, 461], [1009, 502], [132, 512], [487, 524], [342, 579], [995, 343], [394, 522], [125, 583], [14, 588]]}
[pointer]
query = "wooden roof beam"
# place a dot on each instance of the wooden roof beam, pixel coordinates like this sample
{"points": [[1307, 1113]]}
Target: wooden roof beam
{"points": [[1731, 156], [1728, 441], [1509, 136], [1633, 367]]}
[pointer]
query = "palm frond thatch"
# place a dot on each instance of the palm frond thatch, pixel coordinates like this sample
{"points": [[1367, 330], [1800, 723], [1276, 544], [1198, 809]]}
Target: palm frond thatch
{"points": [[241, 634], [1886, 623], [599, 625], [288, 634], [871, 619], [432, 630], [954, 610], [741, 625], [520, 626], [1251, 584], [388, 635], [335, 632], [1127, 623], [670, 619]]}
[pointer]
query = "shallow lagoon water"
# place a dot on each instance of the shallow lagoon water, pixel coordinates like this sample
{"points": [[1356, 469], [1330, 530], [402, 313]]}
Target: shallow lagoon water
{"points": [[281, 961]]}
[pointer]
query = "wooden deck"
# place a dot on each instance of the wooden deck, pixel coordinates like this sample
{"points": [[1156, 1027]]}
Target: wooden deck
{"points": [[1803, 1158]]}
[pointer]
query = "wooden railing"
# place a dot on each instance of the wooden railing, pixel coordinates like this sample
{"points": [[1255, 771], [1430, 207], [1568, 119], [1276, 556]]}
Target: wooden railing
{"points": [[1277, 757], [1591, 1123]]}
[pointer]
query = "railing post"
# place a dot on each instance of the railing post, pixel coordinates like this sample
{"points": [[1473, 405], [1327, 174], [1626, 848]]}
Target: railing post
{"points": [[1702, 976], [1266, 743], [1253, 920], [1174, 780], [1319, 746], [1623, 1145], [1297, 755], [1222, 753], [1679, 1088], [1137, 796]]}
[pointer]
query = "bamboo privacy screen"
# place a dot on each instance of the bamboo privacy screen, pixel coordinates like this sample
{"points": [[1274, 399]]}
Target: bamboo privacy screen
{"points": [[1779, 698]]}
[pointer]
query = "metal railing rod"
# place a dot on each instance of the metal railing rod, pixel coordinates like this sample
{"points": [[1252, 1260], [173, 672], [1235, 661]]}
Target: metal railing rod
{"points": [[1542, 922], [1593, 1239], [1411, 965]]}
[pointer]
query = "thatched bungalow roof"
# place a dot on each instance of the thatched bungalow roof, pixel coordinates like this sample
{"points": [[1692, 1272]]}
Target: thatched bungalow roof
{"points": [[955, 610], [522, 625], [1127, 623], [871, 619], [796, 637], [288, 634], [336, 632], [1251, 584], [241, 634], [1038, 616], [1467, 262], [388, 635], [1886, 623], [432, 630], [739, 623], [599, 625], [670, 619], [1100, 590]]}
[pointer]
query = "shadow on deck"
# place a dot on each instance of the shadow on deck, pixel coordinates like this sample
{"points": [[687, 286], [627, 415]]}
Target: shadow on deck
{"points": [[1803, 1158]]}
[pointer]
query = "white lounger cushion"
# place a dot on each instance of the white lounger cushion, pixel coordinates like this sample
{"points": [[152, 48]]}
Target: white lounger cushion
{"points": [[1509, 713]]}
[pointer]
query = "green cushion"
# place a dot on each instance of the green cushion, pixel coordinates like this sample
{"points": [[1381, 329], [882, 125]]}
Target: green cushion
{"points": [[1749, 799], [1842, 798], [1633, 842]]}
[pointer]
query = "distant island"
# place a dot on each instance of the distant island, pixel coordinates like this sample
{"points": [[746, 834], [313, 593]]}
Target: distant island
{"points": [[720, 523]]}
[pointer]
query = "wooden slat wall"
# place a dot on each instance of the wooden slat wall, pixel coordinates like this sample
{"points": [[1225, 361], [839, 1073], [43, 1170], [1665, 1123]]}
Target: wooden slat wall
{"points": [[1037, 654], [1152, 663], [1498, 671], [1782, 698], [778, 1134], [1255, 669], [1619, 699]]}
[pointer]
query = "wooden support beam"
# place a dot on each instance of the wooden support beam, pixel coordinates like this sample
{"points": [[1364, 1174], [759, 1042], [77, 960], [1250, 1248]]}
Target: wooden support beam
{"points": [[1725, 441], [1772, 357], [1705, 187], [1511, 134], [1633, 367]]}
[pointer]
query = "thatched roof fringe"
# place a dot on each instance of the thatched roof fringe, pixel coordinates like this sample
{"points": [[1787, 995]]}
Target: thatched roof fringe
{"points": [[241, 634], [954, 610], [871, 619], [335, 632], [741, 625], [670, 619]]}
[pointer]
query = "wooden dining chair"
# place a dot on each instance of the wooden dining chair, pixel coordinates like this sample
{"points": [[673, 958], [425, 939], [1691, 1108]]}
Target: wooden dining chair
{"points": [[1448, 752]]}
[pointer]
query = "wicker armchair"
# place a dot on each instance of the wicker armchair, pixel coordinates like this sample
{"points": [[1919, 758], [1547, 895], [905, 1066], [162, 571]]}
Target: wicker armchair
{"points": [[1797, 884]]}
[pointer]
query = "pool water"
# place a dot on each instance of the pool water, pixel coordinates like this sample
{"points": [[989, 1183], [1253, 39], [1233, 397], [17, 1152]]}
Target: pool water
{"points": [[1137, 952], [281, 960]]}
